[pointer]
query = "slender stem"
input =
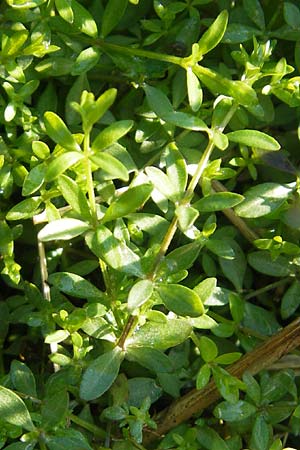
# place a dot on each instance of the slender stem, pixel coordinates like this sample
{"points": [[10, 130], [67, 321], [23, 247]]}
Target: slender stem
{"points": [[267, 288], [46, 290], [99, 432], [89, 178], [131, 51], [42, 444]]}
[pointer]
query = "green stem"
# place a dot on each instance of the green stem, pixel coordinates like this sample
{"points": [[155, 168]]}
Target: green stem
{"points": [[89, 178], [42, 444], [267, 288], [129, 51], [98, 432]]}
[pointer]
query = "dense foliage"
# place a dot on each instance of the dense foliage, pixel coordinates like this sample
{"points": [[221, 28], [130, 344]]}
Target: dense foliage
{"points": [[149, 221]]}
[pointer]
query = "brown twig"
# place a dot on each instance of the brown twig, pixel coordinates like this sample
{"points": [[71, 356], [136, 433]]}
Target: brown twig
{"points": [[239, 223], [253, 362]]}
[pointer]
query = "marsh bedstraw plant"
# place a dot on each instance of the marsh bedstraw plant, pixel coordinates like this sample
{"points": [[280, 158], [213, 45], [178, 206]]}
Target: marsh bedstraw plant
{"points": [[157, 168]]}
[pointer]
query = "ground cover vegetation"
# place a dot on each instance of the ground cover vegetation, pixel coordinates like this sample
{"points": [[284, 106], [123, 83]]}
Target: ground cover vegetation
{"points": [[149, 224]]}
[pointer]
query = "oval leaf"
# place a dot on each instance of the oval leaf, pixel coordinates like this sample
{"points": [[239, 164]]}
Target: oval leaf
{"points": [[74, 285], [195, 93], [291, 300], [63, 229], [254, 138], [139, 294], [232, 412], [181, 300], [263, 262], [13, 410], [101, 374], [151, 358], [263, 199], [218, 201], [112, 15]]}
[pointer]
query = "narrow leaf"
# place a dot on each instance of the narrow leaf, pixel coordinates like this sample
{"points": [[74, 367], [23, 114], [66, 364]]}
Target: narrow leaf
{"points": [[101, 374], [254, 138], [195, 93], [110, 165], [74, 196], [176, 168], [113, 13], [58, 131], [111, 134], [214, 34], [62, 163], [128, 202]]}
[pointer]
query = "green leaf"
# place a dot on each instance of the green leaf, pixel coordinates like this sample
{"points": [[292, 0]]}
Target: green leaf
{"points": [[263, 199], [55, 407], [161, 182], [211, 38], [221, 248], [86, 60], [63, 229], [260, 320], [22, 378], [57, 336], [114, 252], [234, 269], [94, 110], [290, 300], [232, 412], [112, 15], [66, 439], [217, 83], [227, 384], [254, 138], [237, 33], [218, 201], [195, 93], [13, 410], [25, 209], [64, 9], [186, 216], [181, 300], [83, 20], [40, 149], [161, 335], [262, 262], [208, 349], [260, 436], [185, 120], [151, 358], [255, 12], [140, 388], [74, 196], [206, 288], [158, 101], [220, 139], [75, 285], [128, 202], [57, 130], [203, 376], [62, 163], [252, 388], [210, 439], [111, 134], [34, 179], [139, 294], [176, 168], [100, 374], [291, 15], [228, 358], [110, 165]]}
